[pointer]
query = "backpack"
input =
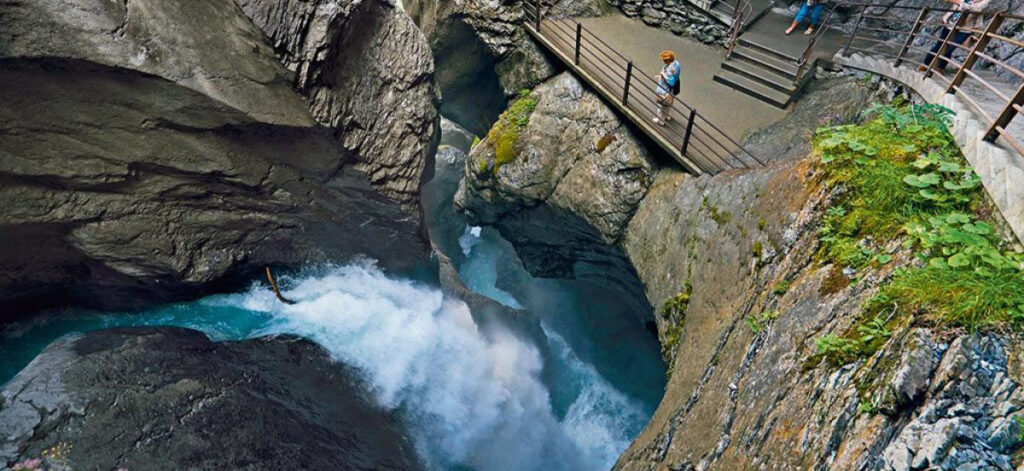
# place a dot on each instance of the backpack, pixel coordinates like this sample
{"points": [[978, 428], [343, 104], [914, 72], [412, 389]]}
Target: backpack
{"points": [[675, 87]]}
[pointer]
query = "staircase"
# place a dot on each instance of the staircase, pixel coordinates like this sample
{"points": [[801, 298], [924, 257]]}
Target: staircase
{"points": [[762, 72]]}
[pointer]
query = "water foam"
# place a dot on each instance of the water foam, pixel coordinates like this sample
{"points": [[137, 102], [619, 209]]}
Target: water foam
{"points": [[471, 398]]}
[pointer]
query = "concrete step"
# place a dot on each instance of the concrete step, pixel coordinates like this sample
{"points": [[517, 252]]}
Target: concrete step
{"points": [[778, 66], [766, 49], [755, 89], [761, 75]]}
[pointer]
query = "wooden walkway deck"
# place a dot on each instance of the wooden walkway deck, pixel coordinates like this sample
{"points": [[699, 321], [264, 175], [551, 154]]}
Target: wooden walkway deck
{"points": [[693, 141]]}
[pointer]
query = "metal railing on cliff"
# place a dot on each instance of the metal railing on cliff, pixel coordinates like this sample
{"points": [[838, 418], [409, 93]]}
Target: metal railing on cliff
{"points": [[891, 37], [695, 142]]}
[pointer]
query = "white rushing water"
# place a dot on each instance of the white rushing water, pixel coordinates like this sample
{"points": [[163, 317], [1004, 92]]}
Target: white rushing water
{"points": [[471, 398]]}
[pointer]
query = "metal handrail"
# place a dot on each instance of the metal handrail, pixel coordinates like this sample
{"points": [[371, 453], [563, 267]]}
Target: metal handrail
{"points": [[1012, 103], [708, 147]]}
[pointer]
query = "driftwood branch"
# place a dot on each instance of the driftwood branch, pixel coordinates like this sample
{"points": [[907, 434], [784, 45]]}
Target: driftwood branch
{"points": [[277, 292]]}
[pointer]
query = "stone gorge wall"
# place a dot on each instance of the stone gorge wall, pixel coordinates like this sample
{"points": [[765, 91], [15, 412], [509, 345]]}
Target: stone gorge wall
{"points": [[677, 16], [738, 397], [367, 73], [153, 151]]}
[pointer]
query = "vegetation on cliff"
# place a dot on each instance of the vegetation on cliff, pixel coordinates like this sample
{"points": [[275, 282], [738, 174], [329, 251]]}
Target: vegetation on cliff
{"points": [[903, 187], [504, 135]]}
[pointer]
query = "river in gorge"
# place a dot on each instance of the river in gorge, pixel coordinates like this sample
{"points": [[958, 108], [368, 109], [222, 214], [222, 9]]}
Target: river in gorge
{"points": [[471, 396]]}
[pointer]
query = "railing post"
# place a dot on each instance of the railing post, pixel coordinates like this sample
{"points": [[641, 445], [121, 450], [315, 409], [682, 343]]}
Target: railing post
{"points": [[853, 34], [579, 37], [945, 44], [629, 77], [979, 45], [539, 15], [912, 35], [689, 130], [1007, 115]]}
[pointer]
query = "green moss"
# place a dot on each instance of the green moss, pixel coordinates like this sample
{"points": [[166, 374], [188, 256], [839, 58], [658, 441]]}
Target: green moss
{"points": [[720, 217], [673, 312], [761, 224], [504, 135], [758, 249], [781, 288]]}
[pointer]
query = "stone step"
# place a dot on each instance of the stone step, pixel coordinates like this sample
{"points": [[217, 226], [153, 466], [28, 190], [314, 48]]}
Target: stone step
{"points": [[774, 64], [767, 49], [750, 87], [761, 75]]}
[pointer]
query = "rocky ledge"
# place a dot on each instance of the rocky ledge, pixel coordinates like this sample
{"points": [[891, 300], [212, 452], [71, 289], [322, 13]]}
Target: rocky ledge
{"points": [[166, 398]]}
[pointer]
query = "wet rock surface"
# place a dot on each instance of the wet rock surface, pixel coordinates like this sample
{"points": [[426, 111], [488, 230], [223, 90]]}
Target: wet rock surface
{"points": [[164, 398], [171, 39], [124, 189], [367, 74]]}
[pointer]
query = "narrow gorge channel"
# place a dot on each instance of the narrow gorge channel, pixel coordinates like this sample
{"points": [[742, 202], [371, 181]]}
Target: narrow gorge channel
{"points": [[487, 261], [572, 394]]}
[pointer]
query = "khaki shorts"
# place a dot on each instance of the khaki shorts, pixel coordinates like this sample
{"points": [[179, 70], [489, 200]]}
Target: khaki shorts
{"points": [[665, 99]]}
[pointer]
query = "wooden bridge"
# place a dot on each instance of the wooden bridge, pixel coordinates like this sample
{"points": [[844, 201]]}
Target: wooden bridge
{"points": [[696, 143]]}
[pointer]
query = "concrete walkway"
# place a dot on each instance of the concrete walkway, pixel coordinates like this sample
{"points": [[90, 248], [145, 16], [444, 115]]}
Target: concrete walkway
{"points": [[718, 103]]}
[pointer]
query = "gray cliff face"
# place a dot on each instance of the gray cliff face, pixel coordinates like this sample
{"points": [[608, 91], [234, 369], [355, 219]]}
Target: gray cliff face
{"points": [[367, 74], [123, 189], [154, 151], [171, 39], [739, 398], [578, 168], [166, 398]]}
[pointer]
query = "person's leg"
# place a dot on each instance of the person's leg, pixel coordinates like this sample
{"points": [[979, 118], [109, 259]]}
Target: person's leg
{"points": [[669, 99], [958, 38], [928, 58], [815, 17], [800, 15], [659, 117]]}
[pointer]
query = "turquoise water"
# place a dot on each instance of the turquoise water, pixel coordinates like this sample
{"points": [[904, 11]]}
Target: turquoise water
{"points": [[471, 398]]}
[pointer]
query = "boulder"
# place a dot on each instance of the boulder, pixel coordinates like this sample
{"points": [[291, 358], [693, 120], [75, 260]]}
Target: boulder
{"points": [[577, 167], [168, 398]]}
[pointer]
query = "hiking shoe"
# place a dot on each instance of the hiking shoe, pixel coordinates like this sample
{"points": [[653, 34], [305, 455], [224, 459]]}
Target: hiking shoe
{"points": [[809, 31], [658, 121]]}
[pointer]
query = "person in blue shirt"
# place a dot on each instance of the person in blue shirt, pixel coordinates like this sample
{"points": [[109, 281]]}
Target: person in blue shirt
{"points": [[668, 86]]}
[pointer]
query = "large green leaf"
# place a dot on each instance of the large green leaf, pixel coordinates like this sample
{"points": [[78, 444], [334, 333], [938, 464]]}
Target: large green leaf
{"points": [[958, 261]]}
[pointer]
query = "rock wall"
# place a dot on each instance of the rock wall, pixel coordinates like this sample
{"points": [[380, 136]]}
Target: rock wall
{"points": [[746, 398], [368, 75], [169, 39], [123, 189], [166, 398], [154, 151], [678, 16]]}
